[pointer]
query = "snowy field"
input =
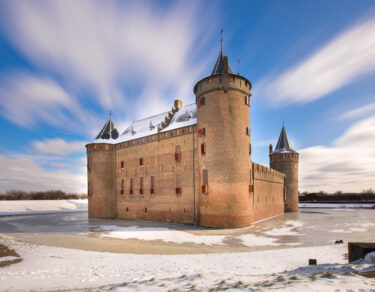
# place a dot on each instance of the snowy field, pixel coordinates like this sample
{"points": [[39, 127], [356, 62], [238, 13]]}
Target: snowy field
{"points": [[50, 268], [41, 207], [124, 255]]}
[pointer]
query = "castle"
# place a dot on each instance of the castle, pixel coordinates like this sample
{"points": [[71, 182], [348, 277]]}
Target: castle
{"points": [[192, 164]]}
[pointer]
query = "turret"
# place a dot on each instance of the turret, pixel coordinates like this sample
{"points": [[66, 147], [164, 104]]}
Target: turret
{"points": [[223, 100], [101, 173], [285, 159]]}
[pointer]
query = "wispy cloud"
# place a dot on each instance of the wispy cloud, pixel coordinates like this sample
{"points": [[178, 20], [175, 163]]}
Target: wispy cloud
{"points": [[59, 146], [348, 164], [111, 49], [25, 174], [359, 112], [348, 56], [29, 100]]}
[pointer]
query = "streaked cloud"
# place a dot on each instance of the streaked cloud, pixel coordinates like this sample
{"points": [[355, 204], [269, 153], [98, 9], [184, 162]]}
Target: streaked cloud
{"points": [[348, 56], [25, 174], [359, 112], [348, 164], [29, 100], [59, 146], [112, 49]]}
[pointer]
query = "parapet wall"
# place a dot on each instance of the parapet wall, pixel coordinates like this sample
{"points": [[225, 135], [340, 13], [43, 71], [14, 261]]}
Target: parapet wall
{"points": [[268, 195]]}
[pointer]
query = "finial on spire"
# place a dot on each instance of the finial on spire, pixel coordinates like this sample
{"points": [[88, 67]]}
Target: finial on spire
{"points": [[110, 114], [238, 62], [221, 39]]}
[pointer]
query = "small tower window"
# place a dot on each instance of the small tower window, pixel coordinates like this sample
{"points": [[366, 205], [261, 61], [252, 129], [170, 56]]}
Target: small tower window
{"points": [[205, 181], [203, 101], [247, 131], [127, 209], [122, 186], [152, 185], [247, 100], [122, 164], [177, 155], [201, 132], [145, 210], [131, 186], [178, 185], [203, 148], [141, 186], [250, 149], [141, 161]]}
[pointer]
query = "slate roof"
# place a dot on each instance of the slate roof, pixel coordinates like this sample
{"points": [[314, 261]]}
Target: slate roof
{"points": [[109, 131], [185, 116], [283, 144], [219, 65]]}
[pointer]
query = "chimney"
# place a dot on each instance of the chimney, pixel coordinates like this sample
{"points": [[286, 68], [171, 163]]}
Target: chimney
{"points": [[177, 104], [270, 148]]}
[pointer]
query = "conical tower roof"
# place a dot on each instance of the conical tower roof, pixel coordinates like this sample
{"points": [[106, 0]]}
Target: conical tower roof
{"points": [[109, 131], [283, 144], [219, 65]]}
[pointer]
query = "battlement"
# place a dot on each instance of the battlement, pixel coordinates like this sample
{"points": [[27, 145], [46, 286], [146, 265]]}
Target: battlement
{"points": [[223, 82], [266, 171], [284, 157], [99, 147]]}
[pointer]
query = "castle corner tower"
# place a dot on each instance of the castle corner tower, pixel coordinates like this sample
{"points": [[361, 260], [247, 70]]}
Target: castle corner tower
{"points": [[223, 138], [285, 159], [101, 173]]}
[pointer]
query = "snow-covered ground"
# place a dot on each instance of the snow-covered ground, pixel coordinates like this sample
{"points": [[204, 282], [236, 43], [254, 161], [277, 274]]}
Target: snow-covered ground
{"points": [[336, 206], [51, 268], [41, 206]]}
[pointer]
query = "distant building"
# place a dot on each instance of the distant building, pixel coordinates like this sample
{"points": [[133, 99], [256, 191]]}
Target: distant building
{"points": [[192, 164]]}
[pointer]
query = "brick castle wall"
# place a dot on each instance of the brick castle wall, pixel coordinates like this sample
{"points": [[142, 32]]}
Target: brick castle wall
{"points": [[268, 196]]}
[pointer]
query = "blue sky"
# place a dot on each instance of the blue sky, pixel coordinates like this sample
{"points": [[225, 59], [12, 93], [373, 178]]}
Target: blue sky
{"points": [[64, 65]]}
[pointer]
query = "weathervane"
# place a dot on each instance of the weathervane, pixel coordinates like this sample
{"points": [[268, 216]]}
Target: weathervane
{"points": [[221, 39]]}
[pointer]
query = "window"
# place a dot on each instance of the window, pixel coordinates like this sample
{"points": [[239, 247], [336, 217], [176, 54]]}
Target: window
{"points": [[178, 185], [152, 185], [249, 149], [89, 164], [203, 148], [127, 209], [199, 103], [131, 186], [205, 181], [145, 210], [251, 186], [201, 132], [247, 100], [89, 189], [247, 131], [203, 101], [141, 186], [141, 161], [122, 164], [177, 155], [122, 186]]}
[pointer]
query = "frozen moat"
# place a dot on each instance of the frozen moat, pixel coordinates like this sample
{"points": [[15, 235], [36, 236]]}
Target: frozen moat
{"points": [[309, 227]]}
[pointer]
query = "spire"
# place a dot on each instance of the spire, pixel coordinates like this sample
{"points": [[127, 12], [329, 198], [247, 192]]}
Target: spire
{"points": [[221, 65], [108, 131], [283, 144]]}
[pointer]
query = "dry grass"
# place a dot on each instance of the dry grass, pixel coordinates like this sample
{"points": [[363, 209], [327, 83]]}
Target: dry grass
{"points": [[7, 252]]}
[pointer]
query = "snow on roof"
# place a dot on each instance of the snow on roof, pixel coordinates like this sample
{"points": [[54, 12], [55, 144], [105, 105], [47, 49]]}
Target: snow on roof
{"points": [[283, 144], [185, 116]]}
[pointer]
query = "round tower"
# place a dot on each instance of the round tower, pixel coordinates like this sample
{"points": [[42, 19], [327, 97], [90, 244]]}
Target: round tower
{"points": [[223, 100], [285, 159], [101, 170]]}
